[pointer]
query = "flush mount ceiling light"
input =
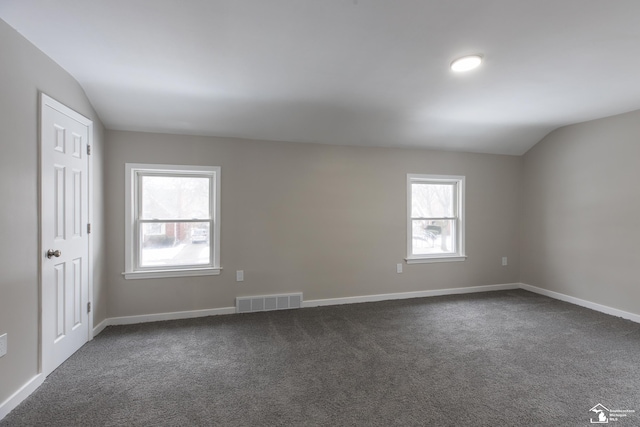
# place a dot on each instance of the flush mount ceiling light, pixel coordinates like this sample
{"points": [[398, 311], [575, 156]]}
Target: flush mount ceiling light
{"points": [[466, 63]]}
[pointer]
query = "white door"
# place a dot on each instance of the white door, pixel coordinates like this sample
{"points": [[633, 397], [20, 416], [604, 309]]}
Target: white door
{"points": [[64, 135]]}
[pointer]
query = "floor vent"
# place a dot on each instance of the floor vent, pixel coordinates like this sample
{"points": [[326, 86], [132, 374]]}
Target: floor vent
{"points": [[268, 302]]}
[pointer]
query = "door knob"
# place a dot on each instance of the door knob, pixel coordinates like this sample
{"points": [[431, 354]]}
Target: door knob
{"points": [[52, 253]]}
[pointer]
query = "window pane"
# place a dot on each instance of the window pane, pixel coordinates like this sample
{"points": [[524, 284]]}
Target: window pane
{"points": [[174, 244], [173, 197], [432, 200], [433, 237]]}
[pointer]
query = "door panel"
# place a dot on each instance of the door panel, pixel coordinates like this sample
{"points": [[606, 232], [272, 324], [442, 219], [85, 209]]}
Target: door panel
{"points": [[64, 218], [77, 204], [59, 301], [58, 202]]}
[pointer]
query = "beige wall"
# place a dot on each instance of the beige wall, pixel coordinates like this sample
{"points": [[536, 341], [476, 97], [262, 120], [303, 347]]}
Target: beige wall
{"points": [[581, 210], [25, 71], [325, 220]]}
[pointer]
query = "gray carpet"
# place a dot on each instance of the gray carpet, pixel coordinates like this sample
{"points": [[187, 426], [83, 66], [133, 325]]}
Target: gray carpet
{"points": [[508, 358]]}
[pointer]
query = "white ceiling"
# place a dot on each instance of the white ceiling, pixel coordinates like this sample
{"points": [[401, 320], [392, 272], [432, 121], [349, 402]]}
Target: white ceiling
{"points": [[352, 72]]}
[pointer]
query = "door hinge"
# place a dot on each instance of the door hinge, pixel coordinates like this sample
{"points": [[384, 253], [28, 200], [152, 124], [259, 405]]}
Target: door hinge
{"points": [[88, 150], [88, 228], [88, 307]]}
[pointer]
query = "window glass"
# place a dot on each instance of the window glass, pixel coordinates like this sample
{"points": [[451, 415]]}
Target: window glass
{"points": [[174, 197], [179, 244], [432, 201], [433, 237]]}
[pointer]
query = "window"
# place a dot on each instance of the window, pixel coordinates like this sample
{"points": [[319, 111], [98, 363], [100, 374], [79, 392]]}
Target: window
{"points": [[435, 226], [173, 221]]}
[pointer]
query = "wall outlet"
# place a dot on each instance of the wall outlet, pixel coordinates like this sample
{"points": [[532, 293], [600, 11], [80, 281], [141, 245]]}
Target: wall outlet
{"points": [[504, 261], [399, 268], [240, 276], [3, 345]]}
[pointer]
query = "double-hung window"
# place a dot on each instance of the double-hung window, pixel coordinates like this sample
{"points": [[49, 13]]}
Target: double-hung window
{"points": [[173, 221], [435, 224]]}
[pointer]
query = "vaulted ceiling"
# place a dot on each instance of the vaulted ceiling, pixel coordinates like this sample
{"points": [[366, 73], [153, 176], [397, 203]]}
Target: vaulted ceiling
{"points": [[352, 72]]}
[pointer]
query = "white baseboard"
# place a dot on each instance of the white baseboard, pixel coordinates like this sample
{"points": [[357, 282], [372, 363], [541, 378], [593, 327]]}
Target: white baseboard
{"points": [[158, 317], [16, 398], [100, 327], [406, 295], [129, 320], [583, 303]]}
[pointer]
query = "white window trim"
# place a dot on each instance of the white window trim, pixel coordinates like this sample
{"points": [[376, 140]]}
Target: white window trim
{"points": [[130, 193], [460, 255]]}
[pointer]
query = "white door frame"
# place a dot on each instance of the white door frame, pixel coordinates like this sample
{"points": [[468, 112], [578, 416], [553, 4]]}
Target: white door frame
{"points": [[46, 100]]}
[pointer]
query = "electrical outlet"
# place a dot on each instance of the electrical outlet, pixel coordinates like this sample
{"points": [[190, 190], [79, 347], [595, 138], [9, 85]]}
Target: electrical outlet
{"points": [[504, 261], [399, 268], [240, 276], [3, 345]]}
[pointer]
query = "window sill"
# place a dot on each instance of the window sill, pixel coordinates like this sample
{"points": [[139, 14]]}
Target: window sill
{"points": [[156, 274], [436, 259]]}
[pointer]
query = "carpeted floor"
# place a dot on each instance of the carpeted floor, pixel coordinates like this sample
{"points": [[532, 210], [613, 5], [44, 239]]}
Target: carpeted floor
{"points": [[508, 358]]}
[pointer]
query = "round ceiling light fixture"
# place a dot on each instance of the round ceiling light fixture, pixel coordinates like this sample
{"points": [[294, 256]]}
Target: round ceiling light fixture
{"points": [[466, 63]]}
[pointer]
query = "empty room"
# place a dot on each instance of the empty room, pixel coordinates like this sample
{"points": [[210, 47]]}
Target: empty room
{"points": [[320, 212]]}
